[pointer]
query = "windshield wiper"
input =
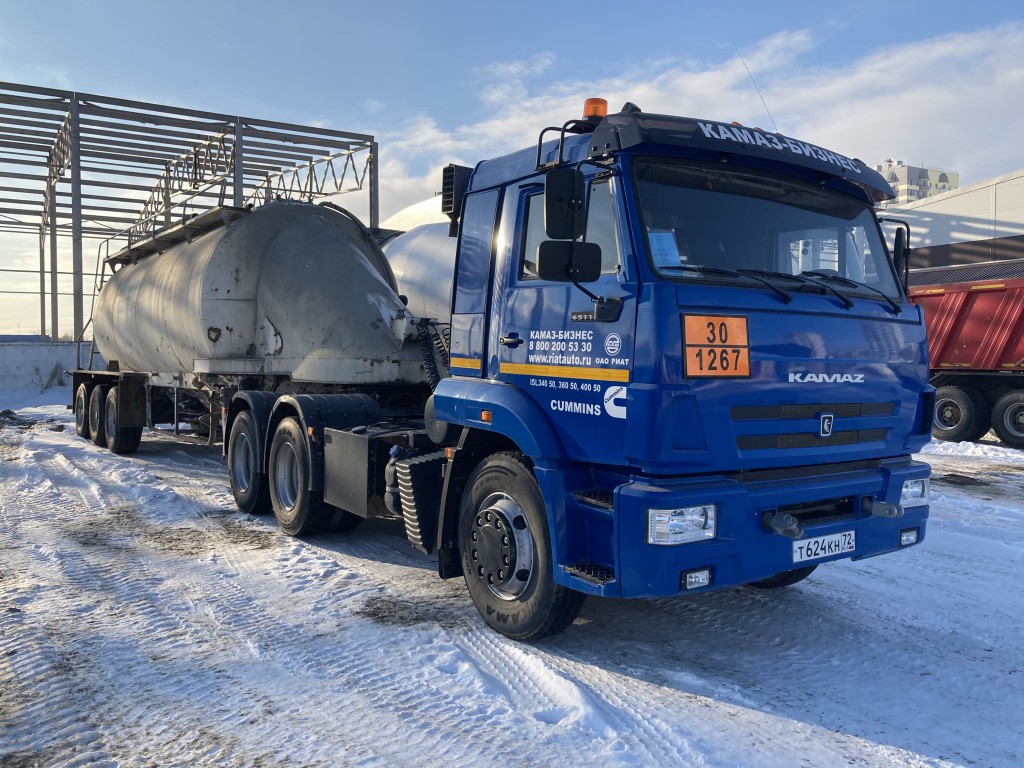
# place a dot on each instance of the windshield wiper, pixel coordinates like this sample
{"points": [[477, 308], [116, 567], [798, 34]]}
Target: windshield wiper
{"points": [[896, 308], [801, 278], [786, 298]]}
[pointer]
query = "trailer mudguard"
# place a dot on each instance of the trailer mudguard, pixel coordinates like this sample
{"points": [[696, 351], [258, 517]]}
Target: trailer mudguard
{"points": [[260, 404]]}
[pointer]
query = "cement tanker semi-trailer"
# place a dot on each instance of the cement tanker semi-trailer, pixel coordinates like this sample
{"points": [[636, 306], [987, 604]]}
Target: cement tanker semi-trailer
{"points": [[647, 356]]}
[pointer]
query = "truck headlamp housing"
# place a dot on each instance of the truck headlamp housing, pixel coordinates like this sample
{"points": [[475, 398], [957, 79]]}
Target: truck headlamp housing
{"points": [[681, 526], [915, 493]]}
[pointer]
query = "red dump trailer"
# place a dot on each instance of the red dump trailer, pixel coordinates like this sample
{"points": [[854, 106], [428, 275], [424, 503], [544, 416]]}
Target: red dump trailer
{"points": [[975, 319]]}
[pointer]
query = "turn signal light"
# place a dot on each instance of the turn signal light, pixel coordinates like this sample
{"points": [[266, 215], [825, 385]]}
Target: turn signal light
{"points": [[597, 108]]}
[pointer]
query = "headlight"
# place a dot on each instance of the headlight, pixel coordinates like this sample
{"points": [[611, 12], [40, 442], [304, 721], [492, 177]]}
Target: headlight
{"points": [[681, 526], [915, 493]]}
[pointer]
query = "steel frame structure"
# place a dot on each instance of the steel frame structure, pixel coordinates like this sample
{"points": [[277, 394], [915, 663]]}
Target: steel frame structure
{"points": [[119, 171]]}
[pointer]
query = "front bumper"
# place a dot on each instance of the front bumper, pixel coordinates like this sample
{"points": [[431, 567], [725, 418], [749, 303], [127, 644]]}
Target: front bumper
{"points": [[826, 500]]}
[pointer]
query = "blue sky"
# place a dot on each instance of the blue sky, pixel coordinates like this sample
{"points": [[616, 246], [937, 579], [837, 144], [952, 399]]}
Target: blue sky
{"points": [[935, 82]]}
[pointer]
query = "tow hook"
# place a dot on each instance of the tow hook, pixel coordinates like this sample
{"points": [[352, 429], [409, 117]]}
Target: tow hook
{"points": [[784, 524], [881, 508]]}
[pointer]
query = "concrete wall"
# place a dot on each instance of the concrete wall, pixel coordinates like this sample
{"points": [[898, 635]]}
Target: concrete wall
{"points": [[40, 365]]}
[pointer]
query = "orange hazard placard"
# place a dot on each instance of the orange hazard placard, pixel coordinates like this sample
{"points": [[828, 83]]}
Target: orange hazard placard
{"points": [[716, 346]]}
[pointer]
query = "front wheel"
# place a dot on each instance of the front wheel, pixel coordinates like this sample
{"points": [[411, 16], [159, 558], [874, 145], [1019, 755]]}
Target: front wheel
{"points": [[119, 439], [299, 511], [506, 552], [1008, 418]]}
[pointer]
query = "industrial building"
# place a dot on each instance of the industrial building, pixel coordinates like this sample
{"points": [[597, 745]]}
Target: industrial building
{"points": [[971, 225]]}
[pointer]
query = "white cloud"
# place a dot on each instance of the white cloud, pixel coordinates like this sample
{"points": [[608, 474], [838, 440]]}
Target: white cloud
{"points": [[952, 102], [518, 70]]}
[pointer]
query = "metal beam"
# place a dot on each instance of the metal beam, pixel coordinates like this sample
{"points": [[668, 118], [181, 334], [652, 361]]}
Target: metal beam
{"points": [[81, 166], [76, 222]]}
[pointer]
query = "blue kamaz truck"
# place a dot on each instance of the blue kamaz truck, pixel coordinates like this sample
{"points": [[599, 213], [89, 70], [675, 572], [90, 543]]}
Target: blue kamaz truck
{"points": [[649, 356]]}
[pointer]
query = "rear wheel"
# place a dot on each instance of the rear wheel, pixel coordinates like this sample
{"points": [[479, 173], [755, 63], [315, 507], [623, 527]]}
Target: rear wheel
{"points": [[506, 552], [299, 511], [1008, 418], [249, 483], [784, 579], [961, 413], [119, 439], [82, 411], [97, 415]]}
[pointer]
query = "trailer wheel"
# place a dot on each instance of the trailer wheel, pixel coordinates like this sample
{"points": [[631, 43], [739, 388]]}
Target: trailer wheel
{"points": [[961, 413], [119, 439], [249, 484], [1008, 418], [97, 415], [299, 511], [506, 552], [82, 411], [784, 579]]}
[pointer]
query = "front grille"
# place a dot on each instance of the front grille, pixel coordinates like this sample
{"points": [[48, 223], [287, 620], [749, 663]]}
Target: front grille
{"points": [[811, 411], [815, 513], [809, 440]]}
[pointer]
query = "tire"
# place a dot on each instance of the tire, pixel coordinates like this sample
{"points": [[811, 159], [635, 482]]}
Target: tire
{"points": [[784, 579], [299, 511], [961, 413], [121, 440], [97, 415], [82, 411], [1008, 418], [510, 577], [249, 483]]}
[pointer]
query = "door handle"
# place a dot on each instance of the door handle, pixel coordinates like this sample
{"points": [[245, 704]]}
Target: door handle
{"points": [[512, 340]]}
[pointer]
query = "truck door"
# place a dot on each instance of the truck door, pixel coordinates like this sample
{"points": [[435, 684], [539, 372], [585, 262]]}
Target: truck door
{"points": [[548, 343]]}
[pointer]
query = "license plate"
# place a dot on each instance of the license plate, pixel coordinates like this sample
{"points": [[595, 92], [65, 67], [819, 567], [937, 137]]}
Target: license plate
{"points": [[824, 546]]}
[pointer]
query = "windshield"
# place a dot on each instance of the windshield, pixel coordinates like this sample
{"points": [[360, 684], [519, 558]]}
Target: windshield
{"points": [[701, 218]]}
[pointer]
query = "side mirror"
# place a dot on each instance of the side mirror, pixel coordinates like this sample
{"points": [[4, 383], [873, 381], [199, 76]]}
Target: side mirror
{"points": [[899, 250], [567, 261], [563, 203]]}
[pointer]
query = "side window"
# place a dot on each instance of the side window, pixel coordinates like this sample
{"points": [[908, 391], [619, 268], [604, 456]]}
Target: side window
{"points": [[601, 226], [534, 235]]}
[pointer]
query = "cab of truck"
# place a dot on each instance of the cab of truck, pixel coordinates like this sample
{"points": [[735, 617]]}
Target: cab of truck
{"points": [[694, 337]]}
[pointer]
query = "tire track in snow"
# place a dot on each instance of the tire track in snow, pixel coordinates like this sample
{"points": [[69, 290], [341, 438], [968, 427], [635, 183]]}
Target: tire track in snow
{"points": [[101, 563], [421, 703], [354, 674], [550, 699], [42, 720]]}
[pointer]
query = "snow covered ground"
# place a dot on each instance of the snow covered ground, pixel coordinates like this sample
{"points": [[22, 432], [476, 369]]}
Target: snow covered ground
{"points": [[144, 621]]}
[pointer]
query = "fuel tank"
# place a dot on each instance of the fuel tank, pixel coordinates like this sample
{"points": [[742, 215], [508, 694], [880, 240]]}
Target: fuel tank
{"points": [[291, 289]]}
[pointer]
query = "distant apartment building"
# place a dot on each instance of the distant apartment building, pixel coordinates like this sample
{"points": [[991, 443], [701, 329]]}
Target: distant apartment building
{"points": [[914, 183]]}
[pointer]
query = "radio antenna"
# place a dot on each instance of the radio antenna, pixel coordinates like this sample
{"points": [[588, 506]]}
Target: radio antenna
{"points": [[749, 74]]}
